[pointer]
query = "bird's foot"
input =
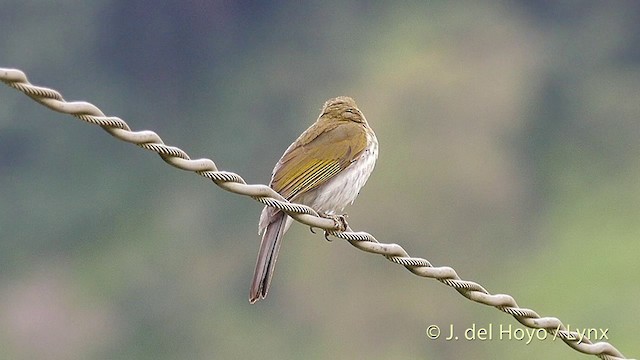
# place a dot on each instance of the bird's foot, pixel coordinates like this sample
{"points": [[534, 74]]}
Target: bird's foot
{"points": [[340, 221]]}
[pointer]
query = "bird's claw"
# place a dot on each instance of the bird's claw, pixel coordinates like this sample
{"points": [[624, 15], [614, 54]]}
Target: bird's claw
{"points": [[339, 220]]}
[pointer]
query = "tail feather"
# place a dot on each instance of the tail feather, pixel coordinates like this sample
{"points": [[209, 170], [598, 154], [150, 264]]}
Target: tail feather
{"points": [[267, 256]]}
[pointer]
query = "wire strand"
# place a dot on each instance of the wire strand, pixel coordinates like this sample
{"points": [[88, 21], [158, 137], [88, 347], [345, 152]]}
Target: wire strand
{"points": [[234, 183]]}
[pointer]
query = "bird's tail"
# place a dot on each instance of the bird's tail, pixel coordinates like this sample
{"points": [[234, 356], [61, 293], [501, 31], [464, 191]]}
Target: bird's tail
{"points": [[267, 256]]}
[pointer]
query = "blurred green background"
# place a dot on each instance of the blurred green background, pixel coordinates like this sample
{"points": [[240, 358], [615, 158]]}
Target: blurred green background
{"points": [[509, 150]]}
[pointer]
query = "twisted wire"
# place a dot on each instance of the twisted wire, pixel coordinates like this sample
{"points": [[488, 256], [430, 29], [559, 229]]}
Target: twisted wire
{"points": [[363, 241]]}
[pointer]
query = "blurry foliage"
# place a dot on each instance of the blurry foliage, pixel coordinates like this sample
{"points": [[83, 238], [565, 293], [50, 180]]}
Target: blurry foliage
{"points": [[509, 150]]}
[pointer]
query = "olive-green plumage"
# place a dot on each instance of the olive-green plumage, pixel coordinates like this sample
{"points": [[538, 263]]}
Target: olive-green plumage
{"points": [[318, 156], [324, 168]]}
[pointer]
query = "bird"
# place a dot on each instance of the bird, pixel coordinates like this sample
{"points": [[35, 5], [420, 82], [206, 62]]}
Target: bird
{"points": [[324, 168]]}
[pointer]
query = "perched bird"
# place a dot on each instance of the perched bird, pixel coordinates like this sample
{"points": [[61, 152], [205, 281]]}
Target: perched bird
{"points": [[325, 168]]}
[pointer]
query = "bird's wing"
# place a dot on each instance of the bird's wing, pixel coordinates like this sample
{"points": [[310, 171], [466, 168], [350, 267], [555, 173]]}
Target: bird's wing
{"points": [[318, 158]]}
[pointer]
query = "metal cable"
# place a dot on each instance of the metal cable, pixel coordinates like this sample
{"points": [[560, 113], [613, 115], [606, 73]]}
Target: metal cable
{"points": [[366, 242]]}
